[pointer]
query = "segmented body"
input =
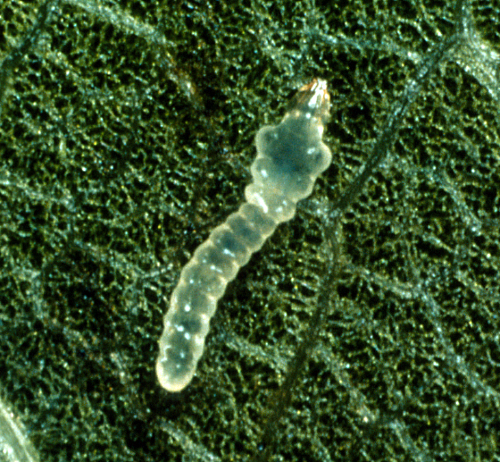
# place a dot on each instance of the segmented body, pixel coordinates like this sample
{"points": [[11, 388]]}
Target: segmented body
{"points": [[290, 156]]}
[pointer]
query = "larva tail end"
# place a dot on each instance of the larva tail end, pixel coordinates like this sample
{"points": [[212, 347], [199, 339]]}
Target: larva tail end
{"points": [[172, 382]]}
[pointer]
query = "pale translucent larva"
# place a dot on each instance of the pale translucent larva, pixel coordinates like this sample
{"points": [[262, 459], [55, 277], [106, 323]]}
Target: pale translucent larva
{"points": [[290, 156]]}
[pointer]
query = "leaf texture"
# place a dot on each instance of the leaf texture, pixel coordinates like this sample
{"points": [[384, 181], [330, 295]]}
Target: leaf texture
{"points": [[366, 329]]}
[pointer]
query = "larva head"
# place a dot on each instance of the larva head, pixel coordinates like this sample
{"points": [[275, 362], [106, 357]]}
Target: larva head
{"points": [[308, 112], [311, 102]]}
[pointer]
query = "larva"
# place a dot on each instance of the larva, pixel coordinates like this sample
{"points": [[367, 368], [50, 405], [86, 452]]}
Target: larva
{"points": [[290, 157]]}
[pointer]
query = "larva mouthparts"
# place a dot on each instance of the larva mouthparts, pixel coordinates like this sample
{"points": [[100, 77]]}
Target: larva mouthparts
{"points": [[290, 157]]}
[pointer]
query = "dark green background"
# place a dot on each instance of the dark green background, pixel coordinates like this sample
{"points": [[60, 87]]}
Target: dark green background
{"points": [[367, 329]]}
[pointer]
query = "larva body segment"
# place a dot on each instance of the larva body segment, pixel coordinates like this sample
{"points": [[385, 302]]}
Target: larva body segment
{"points": [[290, 156]]}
